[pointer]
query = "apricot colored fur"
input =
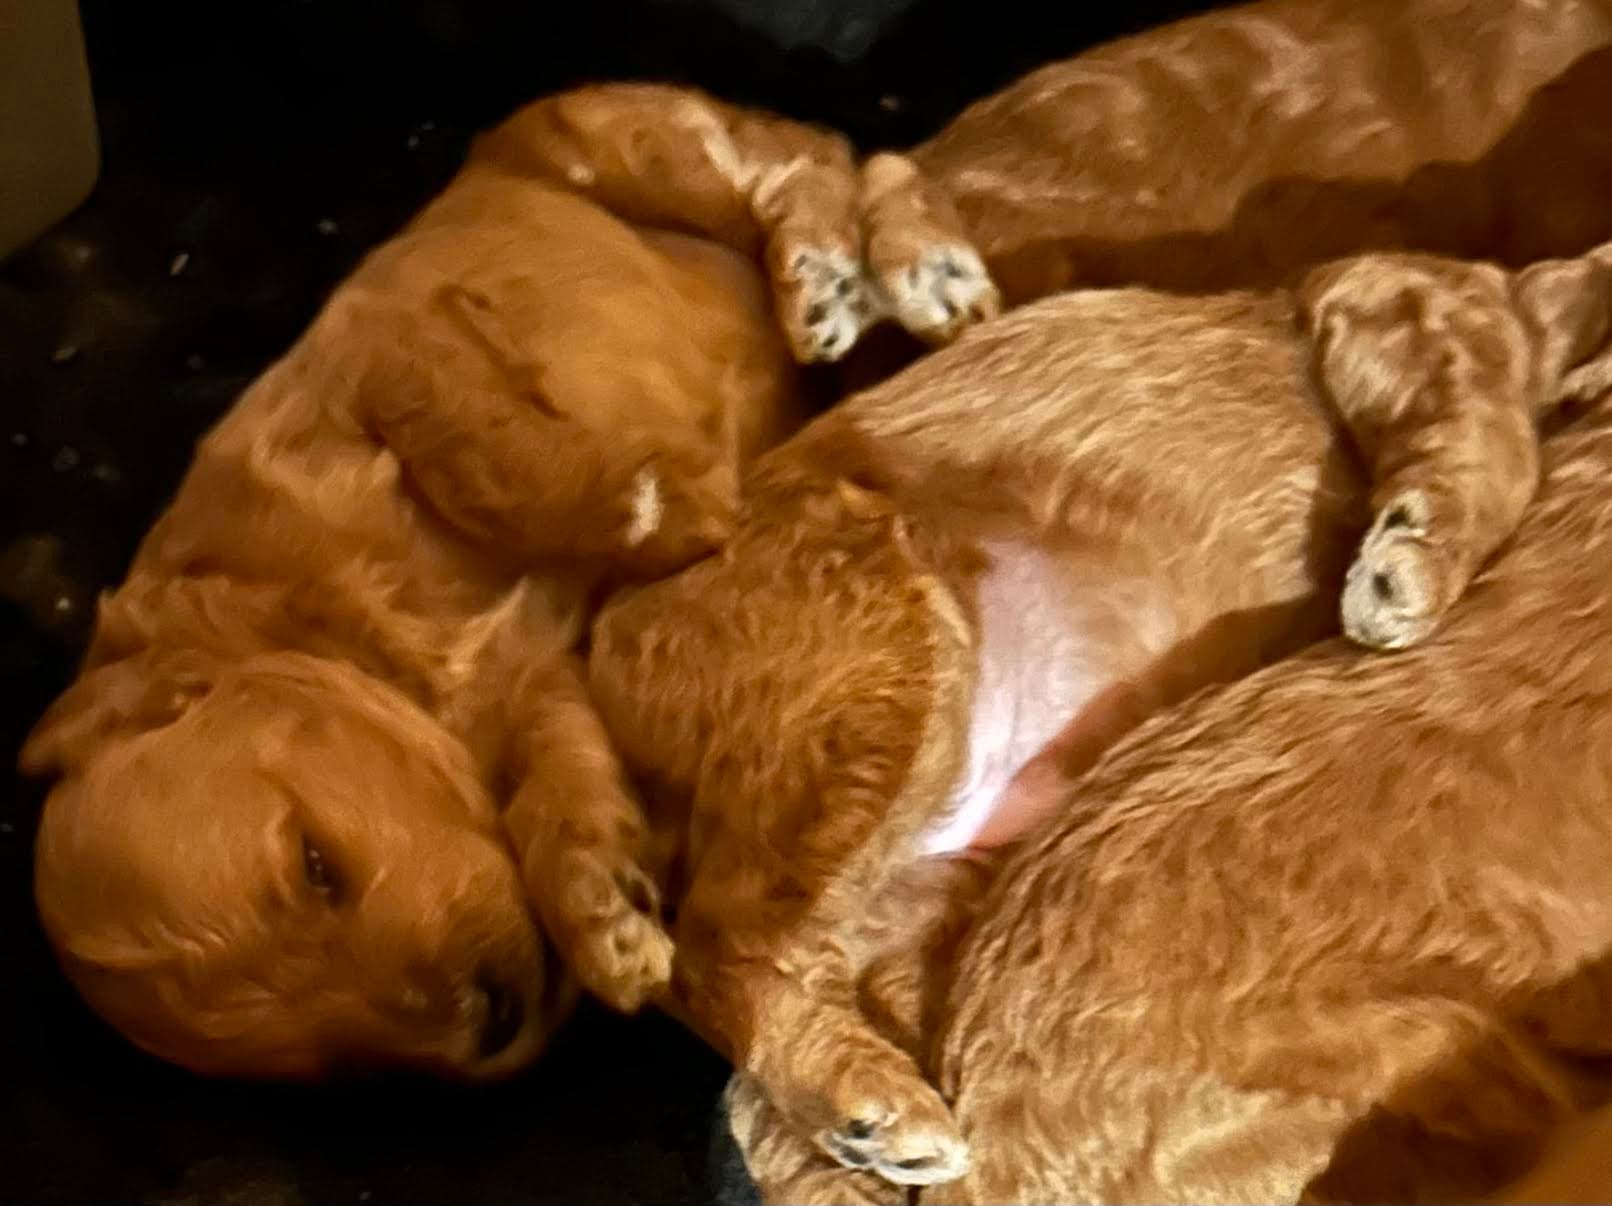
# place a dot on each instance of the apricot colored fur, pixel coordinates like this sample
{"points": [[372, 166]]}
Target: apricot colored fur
{"points": [[437, 482], [337, 687], [798, 705]]}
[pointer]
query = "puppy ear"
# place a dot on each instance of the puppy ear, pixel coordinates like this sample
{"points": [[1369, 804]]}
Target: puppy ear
{"points": [[1568, 306], [111, 952], [136, 694]]}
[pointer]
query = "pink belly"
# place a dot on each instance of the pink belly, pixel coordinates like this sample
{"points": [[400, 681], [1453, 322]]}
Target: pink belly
{"points": [[1054, 651]]}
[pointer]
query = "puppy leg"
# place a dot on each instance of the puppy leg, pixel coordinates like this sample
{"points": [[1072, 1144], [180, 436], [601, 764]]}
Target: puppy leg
{"points": [[914, 926], [778, 995], [675, 157], [1440, 370], [786, 1167], [580, 839], [1431, 368], [801, 792], [934, 281]]}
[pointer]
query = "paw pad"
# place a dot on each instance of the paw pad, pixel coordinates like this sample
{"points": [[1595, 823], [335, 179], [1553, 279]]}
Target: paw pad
{"points": [[826, 304], [1398, 586], [621, 952], [943, 290]]}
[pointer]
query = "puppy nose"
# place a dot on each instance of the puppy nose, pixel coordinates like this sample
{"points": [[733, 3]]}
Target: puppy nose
{"points": [[501, 1022]]}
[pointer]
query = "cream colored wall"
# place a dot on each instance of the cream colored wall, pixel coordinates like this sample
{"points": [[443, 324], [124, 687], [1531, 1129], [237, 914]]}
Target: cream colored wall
{"points": [[49, 154]]}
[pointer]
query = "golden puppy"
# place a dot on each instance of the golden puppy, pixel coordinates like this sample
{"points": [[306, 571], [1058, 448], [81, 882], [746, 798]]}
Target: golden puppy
{"points": [[1009, 554], [275, 845], [1232, 149], [624, 373], [1238, 147], [1349, 901]]}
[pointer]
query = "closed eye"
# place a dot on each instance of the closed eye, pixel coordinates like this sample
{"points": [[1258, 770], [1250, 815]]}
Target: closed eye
{"points": [[321, 875]]}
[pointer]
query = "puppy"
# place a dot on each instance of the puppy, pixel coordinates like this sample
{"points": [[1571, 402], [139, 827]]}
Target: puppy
{"points": [[448, 311], [1236, 148], [274, 847], [1345, 900], [1233, 149], [996, 563]]}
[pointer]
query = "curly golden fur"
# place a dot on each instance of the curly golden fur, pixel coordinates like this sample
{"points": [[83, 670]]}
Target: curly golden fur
{"points": [[1238, 147], [523, 399], [275, 844], [1344, 885], [809, 706]]}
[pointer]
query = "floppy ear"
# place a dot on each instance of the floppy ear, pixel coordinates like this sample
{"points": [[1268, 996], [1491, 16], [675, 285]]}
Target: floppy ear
{"points": [[1568, 303], [90, 953], [139, 693]]}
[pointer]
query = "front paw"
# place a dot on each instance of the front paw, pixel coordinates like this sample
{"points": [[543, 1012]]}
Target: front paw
{"points": [[1402, 580], [889, 1121], [940, 290], [618, 948], [932, 279], [783, 1166], [824, 302]]}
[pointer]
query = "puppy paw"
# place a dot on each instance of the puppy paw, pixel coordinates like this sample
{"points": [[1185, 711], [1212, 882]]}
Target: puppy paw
{"points": [[824, 303], [896, 1126], [621, 953], [1402, 580], [932, 279], [1588, 382], [940, 290]]}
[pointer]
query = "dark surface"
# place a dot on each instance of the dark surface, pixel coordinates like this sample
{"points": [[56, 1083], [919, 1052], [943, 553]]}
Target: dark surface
{"points": [[253, 151], [727, 1179]]}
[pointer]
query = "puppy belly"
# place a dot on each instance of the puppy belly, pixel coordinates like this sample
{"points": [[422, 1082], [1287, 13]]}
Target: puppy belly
{"points": [[1042, 662], [1038, 789]]}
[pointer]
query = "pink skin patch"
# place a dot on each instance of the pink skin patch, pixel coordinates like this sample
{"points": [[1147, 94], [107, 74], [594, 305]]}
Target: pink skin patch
{"points": [[1037, 791], [1046, 679], [1031, 796]]}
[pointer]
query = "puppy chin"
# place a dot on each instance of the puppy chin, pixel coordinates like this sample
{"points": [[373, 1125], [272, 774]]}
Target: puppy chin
{"points": [[543, 1013], [503, 1026], [471, 1067]]}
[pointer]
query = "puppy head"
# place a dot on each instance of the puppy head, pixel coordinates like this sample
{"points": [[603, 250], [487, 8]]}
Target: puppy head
{"points": [[644, 456], [295, 873]]}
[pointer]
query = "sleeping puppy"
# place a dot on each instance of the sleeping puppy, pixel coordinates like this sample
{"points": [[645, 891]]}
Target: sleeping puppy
{"points": [[1297, 930], [275, 844], [978, 575], [546, 326], [1228, 150], [1240, 146]]}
